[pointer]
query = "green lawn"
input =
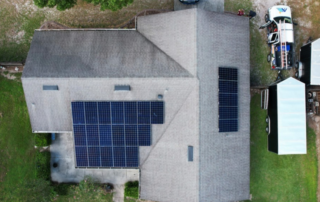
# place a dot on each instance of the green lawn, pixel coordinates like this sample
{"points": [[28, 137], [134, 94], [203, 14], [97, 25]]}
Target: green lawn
{"points": [[280, 178], [16, 140]]}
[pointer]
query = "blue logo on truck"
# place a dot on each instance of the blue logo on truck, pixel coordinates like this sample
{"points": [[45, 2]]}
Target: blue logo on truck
{"points": [[282, 10]]}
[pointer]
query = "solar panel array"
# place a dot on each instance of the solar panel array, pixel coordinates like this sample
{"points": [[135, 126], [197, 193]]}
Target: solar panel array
{"points": [[108, 134], [228, 99]]}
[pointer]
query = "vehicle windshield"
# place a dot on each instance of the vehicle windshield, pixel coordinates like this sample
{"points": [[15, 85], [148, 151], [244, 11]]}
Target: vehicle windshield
{"points": [[285, 19]]}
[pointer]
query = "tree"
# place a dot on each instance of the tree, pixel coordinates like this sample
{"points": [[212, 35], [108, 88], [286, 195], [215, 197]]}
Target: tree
{"points": [[113, 5], [61, 4]]}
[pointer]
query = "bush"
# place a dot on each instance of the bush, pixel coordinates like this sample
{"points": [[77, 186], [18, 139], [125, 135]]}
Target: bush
{"points": [[43, 165], [132, 189], [42, 140]]}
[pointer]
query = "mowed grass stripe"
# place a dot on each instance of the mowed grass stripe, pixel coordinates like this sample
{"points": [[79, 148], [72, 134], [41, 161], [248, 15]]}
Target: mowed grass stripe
{"points": [[16, 139]]}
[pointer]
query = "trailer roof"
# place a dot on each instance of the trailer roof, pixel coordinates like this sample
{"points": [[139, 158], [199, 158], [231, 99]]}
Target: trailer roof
{"points": [[292, 137], [315, 63]]}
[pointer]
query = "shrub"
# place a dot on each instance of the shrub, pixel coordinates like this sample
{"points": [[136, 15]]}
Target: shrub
{"points": [[42, 140], [132, 189]]}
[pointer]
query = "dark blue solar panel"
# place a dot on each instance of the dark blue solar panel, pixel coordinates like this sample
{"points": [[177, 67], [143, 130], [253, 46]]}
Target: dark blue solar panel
{"points": [[228, 74], [132, 156], [81, 156], [79, 132], [108, 134], [228, 87], [228, 125], [228, 112], [91, 111], [143, 112], [117, 112], [94, 156], [144, 135], [92, 135], [118, 135], [157, 112], [104, 112], [130, 111], [119, 156], [131, 133], [105, 135], [228, 99], [106, 157], [78, 112]]}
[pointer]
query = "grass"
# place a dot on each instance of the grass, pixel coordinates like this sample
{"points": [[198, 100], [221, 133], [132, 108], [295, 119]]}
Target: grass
{"points": [[131, 190], [280, 178], [12, 47], [260, 73], [16, 140]]}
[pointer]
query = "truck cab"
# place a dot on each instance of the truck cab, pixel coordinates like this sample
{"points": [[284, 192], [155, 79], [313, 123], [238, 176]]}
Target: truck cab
{"points": [[280, 37]]}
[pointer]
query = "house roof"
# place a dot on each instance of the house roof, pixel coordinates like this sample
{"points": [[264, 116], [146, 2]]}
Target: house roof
{"points": [[188, 48], [315, 63], [292, 129], [91, 54]]}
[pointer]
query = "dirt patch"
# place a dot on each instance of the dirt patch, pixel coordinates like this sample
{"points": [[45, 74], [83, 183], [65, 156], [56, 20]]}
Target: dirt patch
{"points": [[314, 123], [53, 25]]}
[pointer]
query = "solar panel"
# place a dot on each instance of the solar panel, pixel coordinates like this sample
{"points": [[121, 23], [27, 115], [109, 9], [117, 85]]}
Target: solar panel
{"points": [[118, 135], [94, 156], [80, 138], [144, 135], [228, 112], [104, 112], [91, 111], [228, 86], [228, 125], [131, 135], [228, 99], [143, 112], [78, 112], [230, 74], [130, 111], [81, 156], [119, 156], [117, 112], [132, 156], [105, 135], [157, 112], [108, 134], [92, 135], [106, 157]]}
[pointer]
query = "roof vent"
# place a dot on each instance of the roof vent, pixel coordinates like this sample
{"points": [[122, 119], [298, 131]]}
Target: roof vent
{"points": [[122, 88], [160, 97], [45, 87]]}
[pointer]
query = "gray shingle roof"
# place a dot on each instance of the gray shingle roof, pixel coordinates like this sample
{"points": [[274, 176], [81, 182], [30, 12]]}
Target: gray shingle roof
{"points": [[112, 54], [152, 61]]}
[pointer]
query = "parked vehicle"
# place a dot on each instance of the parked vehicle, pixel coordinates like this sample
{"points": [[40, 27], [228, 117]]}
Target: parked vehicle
{"points": [[189, 1], [280, 37]]}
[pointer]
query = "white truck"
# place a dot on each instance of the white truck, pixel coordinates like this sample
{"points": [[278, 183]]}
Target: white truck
{"points": [[280, 37]]}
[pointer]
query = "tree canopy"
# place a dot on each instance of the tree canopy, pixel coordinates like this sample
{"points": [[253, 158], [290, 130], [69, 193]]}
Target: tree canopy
{"points": [[62, 5]]}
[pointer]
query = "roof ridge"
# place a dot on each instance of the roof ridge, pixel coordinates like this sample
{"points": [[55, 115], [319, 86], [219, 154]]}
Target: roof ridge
{"points": [[153, 146]]}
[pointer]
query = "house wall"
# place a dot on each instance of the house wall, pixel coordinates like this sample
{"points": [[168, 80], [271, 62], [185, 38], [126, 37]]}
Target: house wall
{"points": [[273, 114], [305, 58]]}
